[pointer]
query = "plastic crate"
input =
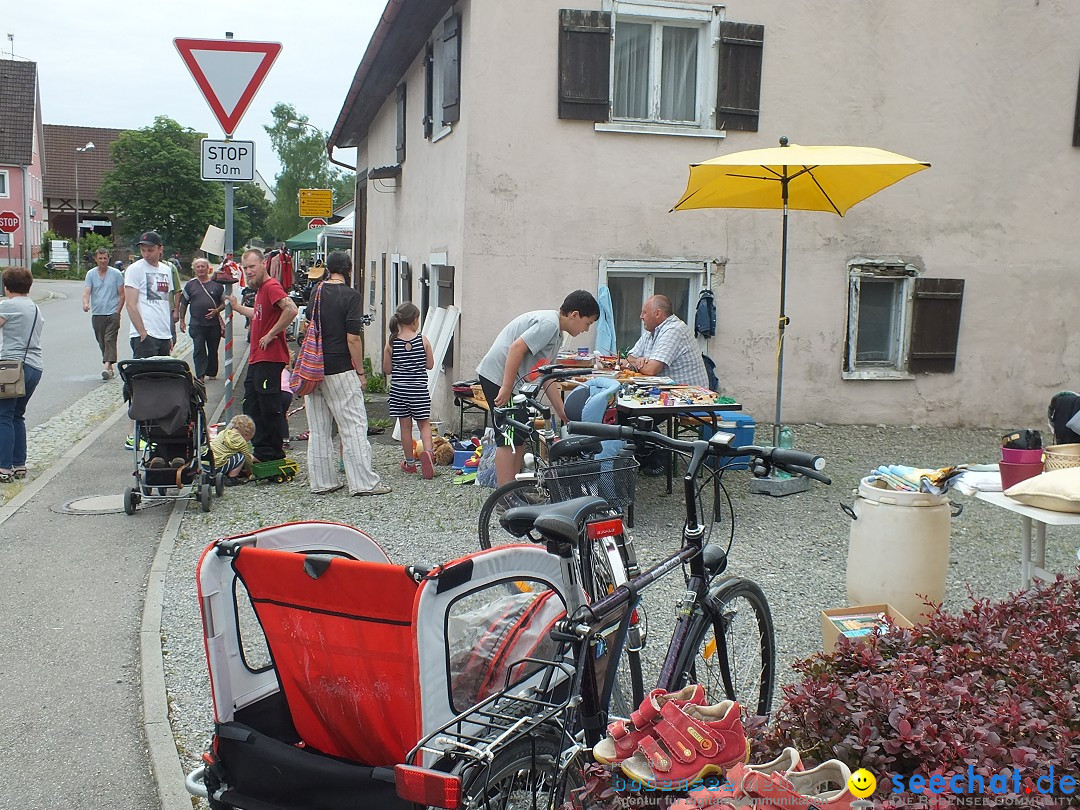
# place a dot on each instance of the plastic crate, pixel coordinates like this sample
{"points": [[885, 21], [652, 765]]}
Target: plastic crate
{"points": [[742, 425]]}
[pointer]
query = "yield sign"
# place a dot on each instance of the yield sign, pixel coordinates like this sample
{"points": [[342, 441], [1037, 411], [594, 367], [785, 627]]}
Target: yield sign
{"points": [[229, 73]]}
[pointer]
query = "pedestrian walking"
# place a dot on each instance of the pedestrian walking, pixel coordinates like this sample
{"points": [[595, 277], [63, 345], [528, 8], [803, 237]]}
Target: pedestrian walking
{"points": [[340, 396], [148, 285], [406, 358], [20, 335], [103, 298], [270, 316], [205, 298]]}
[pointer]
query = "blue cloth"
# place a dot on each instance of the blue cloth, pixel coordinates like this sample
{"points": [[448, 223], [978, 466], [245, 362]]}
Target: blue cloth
{"points": [[13, 422], [104, 292], [600, 391], [605, 327]]}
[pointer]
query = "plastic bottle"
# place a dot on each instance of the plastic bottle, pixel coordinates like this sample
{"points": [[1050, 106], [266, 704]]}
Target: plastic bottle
{"points": [[787, 441]]}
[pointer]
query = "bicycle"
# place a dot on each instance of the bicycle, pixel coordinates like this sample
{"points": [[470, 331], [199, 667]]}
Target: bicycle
{"points": [[514, 745]]}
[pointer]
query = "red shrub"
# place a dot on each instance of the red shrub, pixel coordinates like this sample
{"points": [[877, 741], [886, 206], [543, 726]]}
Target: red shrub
{"points": [[995, 687]]}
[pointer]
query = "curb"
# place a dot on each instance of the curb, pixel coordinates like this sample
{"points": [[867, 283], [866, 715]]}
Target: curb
{"points": [[165, 766]]}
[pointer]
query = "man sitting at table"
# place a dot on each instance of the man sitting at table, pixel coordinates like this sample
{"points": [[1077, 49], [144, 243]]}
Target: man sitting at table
{"points": [[668, 347]]}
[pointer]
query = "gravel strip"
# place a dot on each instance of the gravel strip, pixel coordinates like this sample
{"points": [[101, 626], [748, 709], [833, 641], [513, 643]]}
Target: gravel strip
{"points": [[794, 547]]}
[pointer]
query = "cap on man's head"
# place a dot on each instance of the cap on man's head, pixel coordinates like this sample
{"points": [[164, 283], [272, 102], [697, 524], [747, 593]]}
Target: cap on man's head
{"points": [[150, 238]]}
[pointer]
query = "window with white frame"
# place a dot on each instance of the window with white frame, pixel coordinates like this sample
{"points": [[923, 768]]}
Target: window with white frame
{"points": [[4, 190], [899, 323], [631, 283]]}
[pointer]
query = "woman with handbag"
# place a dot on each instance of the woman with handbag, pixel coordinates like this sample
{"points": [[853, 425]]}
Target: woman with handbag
{"points": [[329, 373], [20, 368], [206, 299]]}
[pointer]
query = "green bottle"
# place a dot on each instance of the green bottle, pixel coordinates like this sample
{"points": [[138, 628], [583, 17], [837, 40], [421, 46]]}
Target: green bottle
{"points": [[787, 441]]}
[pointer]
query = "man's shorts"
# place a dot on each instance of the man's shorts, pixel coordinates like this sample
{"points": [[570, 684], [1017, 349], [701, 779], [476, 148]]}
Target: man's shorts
{"points": [[508, 435], [150, 347]]}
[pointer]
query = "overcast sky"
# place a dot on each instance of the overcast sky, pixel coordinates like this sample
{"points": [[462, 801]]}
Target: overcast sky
{"points": [[113, 64]]}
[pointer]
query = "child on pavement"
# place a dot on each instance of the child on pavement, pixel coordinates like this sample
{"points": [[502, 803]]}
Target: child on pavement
{"points": [[406, 358], [526, 340], [231, 449]]}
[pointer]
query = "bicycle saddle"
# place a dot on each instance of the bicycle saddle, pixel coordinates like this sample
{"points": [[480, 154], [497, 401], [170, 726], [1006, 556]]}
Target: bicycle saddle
{"points": [[574, 446], [555, 521]]}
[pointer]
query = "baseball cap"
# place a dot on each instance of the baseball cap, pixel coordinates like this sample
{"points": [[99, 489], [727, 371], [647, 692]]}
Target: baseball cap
{"points": [[150, 238]]}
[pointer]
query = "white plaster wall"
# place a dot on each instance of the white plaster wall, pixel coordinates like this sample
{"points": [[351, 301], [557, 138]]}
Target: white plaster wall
{"points": [[985, 91]]}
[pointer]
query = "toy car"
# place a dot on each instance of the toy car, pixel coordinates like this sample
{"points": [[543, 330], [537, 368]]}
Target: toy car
{"points": [[279, 470]]}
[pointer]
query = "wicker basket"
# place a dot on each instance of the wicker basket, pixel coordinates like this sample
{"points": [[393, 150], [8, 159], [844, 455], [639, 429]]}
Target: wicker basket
{"points": [[1061, 456]]}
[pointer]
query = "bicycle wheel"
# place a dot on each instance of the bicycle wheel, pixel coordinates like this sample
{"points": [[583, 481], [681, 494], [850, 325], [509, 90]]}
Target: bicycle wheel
{"points": [[514, 493], [522, 776], [731, 649]]}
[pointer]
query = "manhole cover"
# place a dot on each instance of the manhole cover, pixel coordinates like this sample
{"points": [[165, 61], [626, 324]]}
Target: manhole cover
{"points": [[99, 505]]}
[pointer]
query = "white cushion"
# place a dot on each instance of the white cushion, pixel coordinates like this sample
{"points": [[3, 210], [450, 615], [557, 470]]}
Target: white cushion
{"points": [[1057, 490]]}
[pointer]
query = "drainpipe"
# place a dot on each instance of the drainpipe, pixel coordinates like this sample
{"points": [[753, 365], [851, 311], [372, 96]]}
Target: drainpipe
{"points": [[27, 251]]}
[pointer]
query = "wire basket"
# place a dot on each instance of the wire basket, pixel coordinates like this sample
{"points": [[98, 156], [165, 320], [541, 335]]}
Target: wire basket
{"points": [[611, 479], [1061, 456]]}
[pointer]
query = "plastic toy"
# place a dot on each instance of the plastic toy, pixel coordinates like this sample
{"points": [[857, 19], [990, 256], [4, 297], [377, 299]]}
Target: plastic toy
{"points": [[280, 470]]}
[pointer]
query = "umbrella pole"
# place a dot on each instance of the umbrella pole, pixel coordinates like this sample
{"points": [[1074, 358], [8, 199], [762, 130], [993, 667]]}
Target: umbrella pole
{"points": [[782, 321]]}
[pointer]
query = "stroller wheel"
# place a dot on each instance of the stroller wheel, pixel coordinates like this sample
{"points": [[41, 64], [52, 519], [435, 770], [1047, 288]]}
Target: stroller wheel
{"points": [[219, 485], [204, 497], [131, 500]]}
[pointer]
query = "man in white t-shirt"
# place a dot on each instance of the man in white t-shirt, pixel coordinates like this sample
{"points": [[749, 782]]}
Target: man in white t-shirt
{"points": [[148, 287]]}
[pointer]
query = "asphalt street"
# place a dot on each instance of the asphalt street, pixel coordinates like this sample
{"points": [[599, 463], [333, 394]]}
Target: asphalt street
{"points": [[70, 353], [70, 610]]}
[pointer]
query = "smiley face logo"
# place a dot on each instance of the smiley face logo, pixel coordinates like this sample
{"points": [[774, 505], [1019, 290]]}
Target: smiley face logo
{"points": [[862, 783]]}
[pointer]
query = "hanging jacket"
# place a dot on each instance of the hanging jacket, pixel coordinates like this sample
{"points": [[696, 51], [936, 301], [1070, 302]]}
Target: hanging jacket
{"points": [[605, 326], [705, 319]]}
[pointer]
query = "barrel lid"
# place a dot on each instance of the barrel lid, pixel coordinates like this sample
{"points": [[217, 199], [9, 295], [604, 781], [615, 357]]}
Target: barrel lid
{"points": [[873, 489]]}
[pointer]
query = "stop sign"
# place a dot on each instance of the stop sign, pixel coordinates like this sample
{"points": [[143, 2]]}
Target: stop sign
{"points": [[316, 223], [9, 222]]}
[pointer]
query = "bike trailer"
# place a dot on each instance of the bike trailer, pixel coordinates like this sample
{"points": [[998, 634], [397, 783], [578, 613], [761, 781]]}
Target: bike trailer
{"points": [[328, 662]]}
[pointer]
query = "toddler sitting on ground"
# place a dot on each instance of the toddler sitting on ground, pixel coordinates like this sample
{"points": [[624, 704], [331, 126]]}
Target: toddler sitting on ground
{"points": [[231, 450]]}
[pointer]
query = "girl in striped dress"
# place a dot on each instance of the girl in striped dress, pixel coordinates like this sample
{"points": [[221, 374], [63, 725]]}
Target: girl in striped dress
{"points": [[407, 358]]}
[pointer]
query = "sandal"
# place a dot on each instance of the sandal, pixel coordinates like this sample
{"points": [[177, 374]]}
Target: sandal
{"points": [[408, 465], [622, 740], [6, 476], [787, 763], [303, 437], [20, 472], [688, 743], [795, 790], [427, 465]]}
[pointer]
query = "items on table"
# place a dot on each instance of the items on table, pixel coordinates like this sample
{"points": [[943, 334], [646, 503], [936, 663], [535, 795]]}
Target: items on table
{"points": [[915, 479]]}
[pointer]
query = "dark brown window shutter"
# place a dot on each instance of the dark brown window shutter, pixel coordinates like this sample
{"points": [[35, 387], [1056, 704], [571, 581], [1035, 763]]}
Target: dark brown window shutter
{"points": [[444, 278], [584, 64], [429, 90], [451, 77], [401, 123], [406, 281], [935, 324], [1076, 122], [738, 89], [425, 293]]}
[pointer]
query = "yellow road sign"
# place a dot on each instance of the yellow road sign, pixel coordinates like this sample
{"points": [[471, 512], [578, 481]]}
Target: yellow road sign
{"points": [[316, 202]]}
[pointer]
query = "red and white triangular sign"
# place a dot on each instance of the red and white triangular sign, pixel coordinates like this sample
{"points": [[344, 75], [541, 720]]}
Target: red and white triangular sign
{"points": [[229, 73]]}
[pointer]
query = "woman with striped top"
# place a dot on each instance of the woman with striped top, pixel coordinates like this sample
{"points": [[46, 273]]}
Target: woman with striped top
{"points": [[407, 358]]}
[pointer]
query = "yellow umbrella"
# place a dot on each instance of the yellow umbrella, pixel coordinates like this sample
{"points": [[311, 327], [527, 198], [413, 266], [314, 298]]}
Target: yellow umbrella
{"points": [[806, 178]]}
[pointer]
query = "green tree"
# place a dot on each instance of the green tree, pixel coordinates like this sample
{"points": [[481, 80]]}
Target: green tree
{"points": [[250, 212], [304, 164], [156, 183]]}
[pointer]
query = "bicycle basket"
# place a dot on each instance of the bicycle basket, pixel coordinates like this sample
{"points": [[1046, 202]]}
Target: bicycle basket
{"points": [[611, 479]]}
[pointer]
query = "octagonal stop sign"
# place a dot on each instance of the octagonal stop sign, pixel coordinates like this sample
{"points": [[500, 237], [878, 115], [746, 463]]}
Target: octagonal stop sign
{"points": [[9, 222]]}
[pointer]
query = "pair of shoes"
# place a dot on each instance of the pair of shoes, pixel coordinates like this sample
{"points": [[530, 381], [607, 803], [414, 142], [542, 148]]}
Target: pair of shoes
{"points": [[408, 465], [773, 787], [303, 437], [326, 491], [623, 739], [689, 742], [156, 463], [381, 489], [177, 463], [20, 472], [427, 465], [106, 374]]}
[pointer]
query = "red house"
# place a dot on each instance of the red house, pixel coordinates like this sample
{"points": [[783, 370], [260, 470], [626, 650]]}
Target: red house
{"points": [[22, 162]]}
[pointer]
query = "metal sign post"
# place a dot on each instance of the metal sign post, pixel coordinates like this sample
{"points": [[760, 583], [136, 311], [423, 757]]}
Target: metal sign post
{"points": [[229, 398]]}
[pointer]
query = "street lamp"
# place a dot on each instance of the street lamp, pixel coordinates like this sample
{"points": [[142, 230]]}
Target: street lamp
{"points": [[78, 230]]}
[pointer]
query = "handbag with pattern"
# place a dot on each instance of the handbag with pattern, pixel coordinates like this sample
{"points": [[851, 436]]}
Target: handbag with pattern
{"points": [[309, 370]]}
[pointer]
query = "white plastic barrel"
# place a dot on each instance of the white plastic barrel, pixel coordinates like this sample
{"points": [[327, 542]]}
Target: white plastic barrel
{"points": [[899, 548]]}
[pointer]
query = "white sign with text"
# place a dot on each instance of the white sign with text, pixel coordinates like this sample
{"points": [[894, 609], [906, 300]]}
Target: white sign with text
{"points": [[228, 160]]}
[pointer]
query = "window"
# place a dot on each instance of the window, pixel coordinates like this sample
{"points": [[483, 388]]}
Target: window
{"points": [[400, 144], [442, 79], [632, 282], [898, 323], [4, 192], [660, 66]]}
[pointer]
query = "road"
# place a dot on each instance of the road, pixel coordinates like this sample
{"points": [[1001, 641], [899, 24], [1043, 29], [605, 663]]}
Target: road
{"points": [[71, 355]]}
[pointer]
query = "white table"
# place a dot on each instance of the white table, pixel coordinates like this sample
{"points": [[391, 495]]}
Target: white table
{"points": [[1032, 565]]}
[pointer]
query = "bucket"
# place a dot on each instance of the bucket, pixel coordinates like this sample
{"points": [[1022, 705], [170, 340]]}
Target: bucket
{"points": [[1015, 473], [1014, 456], [898, 549]]}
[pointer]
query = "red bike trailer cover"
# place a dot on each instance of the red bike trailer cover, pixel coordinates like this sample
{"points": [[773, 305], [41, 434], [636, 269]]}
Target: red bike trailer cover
{"points": [[350, 678]]}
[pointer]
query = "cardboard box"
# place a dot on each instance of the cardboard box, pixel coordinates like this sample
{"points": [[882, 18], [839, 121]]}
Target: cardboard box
{"points": [[856, 614]]}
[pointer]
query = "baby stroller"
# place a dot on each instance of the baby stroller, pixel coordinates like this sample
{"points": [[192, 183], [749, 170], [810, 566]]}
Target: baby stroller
{"points": [[172, 445]]}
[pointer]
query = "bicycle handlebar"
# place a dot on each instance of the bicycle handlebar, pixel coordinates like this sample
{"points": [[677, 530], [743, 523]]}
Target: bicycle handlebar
{"points": [[790, 460]]}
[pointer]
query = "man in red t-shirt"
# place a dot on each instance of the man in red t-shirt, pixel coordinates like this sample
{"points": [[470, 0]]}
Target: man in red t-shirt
{"points": [[270, 317]]}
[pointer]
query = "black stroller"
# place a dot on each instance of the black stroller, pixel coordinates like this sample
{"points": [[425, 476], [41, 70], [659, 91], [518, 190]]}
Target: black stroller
{"points": [[171, 441]]}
